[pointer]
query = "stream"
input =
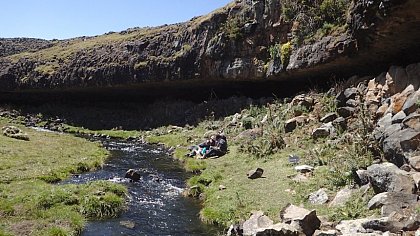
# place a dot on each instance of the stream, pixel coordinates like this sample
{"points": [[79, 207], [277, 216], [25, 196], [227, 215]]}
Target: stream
{"points": [[155, 204]]}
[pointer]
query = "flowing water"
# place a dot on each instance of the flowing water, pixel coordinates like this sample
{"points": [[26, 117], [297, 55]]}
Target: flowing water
{"points": [[155, 205]]}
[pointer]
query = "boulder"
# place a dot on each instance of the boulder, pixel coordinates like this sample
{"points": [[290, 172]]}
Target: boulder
{"points": [[255, 174], [344, 96], [416, 179], [234, 230], [279, 229], [412, 103], [385, 121], [340, 123], [386, 177], [326, 130], [378, 200], [399, 142], [14, 132], [396, 79], [250, 134], [398, 100], [381, 110], [415, 162], [398, 118], [351, 227], [292, 123], [132, 174], [362, 177], [304, 220], [346, 111], [257, 221], [342, 197], [319, 197], [382, 224], [413, 74], [396, 202], [404, 220], [330, 232], [304, 101], [304, 168], [412, 121], [329, 117], [352, 103]]}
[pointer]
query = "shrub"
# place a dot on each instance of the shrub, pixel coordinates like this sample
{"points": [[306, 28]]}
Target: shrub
{"points": [[232, 28], [286, 52]]}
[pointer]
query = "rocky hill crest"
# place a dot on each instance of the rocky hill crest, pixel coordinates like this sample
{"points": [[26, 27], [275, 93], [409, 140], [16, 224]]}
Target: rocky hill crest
{"points": [[246, 40]]}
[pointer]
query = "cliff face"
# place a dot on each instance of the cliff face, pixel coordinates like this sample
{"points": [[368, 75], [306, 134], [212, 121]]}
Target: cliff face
{"points": [[246, 40]]}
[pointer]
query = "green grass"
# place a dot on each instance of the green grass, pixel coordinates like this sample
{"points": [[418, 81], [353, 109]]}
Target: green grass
{"points": [[31, 205], [335, 165], [121, 134]]}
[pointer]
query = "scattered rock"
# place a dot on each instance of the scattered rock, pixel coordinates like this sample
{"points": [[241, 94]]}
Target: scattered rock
{"points": [[234, 230], [326, 130], [398, 100], [292, 123], [257, 221], [362, 177], [386, 177], [346, 111], [399, 142], [304, 220], [304, 101], [415, 162], [395, 202], [329, 117], [254, 174], [412, 121], [340, 123], [344, 96], [352, 227], [352, 103], [222, 187], [412, 103], [14, 132], [304, 168], [378, 200], [398, 118], [416, 178], [280, 229], [342, 197], [330, 232], [250, 134], [132, 174], [381, 110], [319, 197]]}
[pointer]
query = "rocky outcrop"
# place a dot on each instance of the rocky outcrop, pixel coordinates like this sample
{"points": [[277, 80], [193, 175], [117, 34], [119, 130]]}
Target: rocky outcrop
{"points": [[236, 42], [10, 46]]}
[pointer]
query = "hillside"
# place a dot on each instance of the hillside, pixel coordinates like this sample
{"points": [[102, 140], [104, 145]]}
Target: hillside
{"points": [[246, 40]]}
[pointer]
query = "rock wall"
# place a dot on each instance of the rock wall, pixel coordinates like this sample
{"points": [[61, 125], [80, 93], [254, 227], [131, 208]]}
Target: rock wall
{"points": [[231, 43]]}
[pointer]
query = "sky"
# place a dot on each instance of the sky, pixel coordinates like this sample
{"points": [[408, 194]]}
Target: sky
{"points": [[62, 19]]}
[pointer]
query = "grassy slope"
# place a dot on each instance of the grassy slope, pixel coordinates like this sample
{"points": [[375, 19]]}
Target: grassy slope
{"points": [[29, 205], [242, 195]]}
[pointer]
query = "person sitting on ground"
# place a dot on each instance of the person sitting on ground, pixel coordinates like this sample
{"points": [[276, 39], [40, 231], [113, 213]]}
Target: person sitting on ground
{"points": [[202, 148], [218, 149]]}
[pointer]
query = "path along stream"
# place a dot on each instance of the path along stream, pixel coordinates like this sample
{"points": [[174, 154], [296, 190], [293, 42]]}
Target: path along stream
{"points": [[155, 205]]}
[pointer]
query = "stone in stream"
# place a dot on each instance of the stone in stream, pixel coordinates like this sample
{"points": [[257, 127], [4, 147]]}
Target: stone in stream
{"points": [[132, 174]]}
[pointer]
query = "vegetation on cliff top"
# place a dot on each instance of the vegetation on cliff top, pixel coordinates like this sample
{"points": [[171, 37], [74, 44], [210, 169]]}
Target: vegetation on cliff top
{"points": [[31, 205]]}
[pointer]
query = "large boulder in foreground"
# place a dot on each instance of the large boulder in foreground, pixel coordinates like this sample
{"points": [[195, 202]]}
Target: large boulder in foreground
{"points": [[386, 177], [256, 222], [302, 219]]}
